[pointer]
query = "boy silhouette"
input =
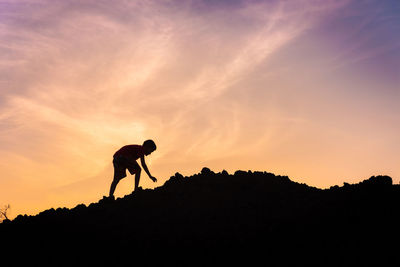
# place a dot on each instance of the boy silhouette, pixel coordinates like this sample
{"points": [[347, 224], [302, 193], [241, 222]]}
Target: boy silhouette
{"points": [[125, 158]]}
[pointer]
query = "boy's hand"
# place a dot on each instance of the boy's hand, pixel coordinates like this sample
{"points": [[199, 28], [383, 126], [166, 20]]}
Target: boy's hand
{"points": [[154, 179]]}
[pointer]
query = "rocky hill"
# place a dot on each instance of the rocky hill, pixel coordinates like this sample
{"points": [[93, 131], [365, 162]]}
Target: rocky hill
{"points": [[219, 218]]}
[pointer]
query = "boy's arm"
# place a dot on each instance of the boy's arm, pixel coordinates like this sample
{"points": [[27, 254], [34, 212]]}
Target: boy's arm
{"points": [[146, 169]]}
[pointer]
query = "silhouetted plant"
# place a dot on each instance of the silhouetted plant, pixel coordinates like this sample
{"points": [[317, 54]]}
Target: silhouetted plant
{"points": [[3, 212]]}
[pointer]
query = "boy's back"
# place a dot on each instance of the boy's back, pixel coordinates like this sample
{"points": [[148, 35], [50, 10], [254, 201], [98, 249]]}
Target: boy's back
{"points": [[132, 152]]}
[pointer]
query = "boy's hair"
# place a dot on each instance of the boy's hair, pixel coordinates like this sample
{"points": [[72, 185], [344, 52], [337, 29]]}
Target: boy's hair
{"points": [[150, 144]]}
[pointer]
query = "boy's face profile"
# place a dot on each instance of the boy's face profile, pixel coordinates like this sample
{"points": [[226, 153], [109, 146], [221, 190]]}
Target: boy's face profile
{"points": [[148, 150]]}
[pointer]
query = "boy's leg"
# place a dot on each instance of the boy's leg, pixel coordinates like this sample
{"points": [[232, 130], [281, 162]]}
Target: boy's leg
{"points": [[136, 170], [113, 186], [119, 173], [137, 178]]}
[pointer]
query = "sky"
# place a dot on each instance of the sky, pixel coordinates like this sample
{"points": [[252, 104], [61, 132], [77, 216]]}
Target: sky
{"points": [[308, 89]]}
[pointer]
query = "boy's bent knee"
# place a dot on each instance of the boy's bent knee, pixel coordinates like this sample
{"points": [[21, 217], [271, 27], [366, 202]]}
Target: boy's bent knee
{"points": [[134, 169], [137, 169]]}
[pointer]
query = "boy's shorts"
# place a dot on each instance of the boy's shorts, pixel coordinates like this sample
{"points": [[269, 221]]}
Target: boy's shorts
{"points": [[121, 164]]}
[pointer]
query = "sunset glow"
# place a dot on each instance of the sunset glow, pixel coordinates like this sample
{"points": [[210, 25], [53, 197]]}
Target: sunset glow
{"points": [[308, 89]]}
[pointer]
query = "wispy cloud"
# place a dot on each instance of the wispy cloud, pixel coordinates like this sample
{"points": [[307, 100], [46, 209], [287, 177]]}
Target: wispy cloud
{"points": [[79, 62]]}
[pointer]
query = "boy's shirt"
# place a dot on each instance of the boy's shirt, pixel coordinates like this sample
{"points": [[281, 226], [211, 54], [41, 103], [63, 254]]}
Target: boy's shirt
{"points": [[132, 152]]}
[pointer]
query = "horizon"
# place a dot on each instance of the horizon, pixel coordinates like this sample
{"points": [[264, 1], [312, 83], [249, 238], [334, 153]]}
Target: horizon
{"points": [[263, 179], [306, 89]]}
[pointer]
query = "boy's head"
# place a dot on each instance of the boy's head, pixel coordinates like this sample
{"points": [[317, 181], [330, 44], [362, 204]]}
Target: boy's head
{"points": [[149, 146]]}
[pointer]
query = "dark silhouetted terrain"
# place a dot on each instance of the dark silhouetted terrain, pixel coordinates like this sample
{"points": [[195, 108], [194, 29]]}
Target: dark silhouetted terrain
{"points": [[218, 219]]}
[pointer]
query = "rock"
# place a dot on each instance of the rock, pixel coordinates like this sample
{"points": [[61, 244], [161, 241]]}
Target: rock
{"points": [[206, 171]]}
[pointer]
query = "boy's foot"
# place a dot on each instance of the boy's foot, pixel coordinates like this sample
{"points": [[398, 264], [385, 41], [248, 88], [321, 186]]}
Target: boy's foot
{"points": [[106, 199], [138, 189]]}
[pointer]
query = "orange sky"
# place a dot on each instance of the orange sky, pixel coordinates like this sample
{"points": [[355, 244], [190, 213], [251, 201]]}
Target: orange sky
{"points": [[308, 89]]}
